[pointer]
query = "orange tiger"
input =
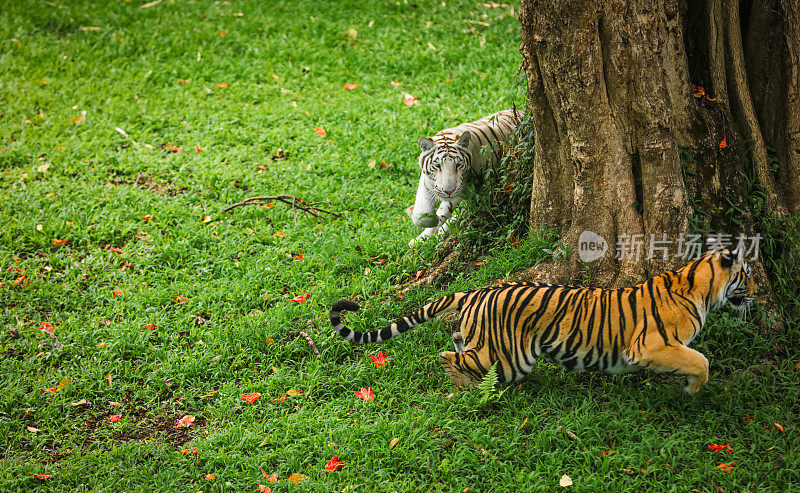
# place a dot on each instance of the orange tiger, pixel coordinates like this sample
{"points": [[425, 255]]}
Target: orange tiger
{"points": [[646, 326]]}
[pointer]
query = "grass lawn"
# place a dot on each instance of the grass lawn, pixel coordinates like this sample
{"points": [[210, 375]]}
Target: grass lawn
{"points": [[126, 131]]}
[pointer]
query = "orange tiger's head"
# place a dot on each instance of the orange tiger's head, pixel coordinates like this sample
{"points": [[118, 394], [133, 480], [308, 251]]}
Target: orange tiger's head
{"points": [[731, 278]]}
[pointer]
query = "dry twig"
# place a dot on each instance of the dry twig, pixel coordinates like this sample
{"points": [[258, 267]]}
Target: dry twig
{"points": [[295, 202]]}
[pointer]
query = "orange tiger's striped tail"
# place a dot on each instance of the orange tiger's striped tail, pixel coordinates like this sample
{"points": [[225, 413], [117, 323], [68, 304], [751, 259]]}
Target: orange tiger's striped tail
{"points": [[413, 319]]}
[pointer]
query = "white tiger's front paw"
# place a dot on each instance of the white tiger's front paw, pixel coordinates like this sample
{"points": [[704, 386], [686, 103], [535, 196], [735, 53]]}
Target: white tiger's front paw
{"points": [[428, 233]]}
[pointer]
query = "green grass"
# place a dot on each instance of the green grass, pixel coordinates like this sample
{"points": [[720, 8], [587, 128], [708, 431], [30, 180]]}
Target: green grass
{"points": [[156, 73]]}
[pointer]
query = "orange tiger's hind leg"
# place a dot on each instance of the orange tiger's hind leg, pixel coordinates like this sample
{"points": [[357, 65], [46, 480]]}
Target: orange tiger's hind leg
{"points": [[678, 359], [460, 370]]}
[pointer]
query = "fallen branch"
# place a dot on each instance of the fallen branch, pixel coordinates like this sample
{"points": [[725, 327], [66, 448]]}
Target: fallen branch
{"points": [[309, 340], [295, 202]]}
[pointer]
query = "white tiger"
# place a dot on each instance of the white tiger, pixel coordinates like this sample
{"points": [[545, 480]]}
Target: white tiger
{"points": [[445, 160]]}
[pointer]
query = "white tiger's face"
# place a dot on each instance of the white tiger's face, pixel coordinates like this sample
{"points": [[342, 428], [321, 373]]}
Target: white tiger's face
{"points": [[445, 164]]}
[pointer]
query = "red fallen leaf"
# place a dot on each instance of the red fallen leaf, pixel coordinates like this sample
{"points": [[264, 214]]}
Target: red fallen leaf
{"points": [[45, 327], [262, 488], [61, 242], [273, 478], [409, 100], [798, 365], [726, 466], [380, 359], [48, 390], [19, 281], [173, 148], [509, 186], [723, 144], [420, 273], [199, 149], [185, 422], [117, 293], [146, 218], [334, 464], [100, 344], [365, 394], [604, 453], [350, 86], [41, 476], [778, 426], [251, 398], [298, 257], [115, 418], [180, 299], [301, 297], [749, 418], [279, 234], [150, 326], [117, 250], [320, 131], [221, 84], [716, 448], [16, 268], [401, 296], [190, 452]]}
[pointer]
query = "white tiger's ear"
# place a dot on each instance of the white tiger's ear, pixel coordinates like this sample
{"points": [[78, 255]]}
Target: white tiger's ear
{"points": [[463, 141], [425, 143]]}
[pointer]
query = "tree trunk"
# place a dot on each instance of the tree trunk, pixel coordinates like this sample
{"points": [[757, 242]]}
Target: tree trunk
{"points": [[646, 129]]}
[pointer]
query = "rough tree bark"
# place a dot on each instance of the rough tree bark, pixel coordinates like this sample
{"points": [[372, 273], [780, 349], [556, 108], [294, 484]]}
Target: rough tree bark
{"points": [[652, 113]]}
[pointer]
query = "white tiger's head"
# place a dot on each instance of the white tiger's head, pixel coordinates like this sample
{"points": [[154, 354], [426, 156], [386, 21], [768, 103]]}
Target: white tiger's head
{"points": [[445, 163]]}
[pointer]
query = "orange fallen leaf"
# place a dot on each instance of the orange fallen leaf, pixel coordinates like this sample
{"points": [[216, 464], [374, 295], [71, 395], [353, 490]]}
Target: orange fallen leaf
{"points": [[115, 418], [296, 478], [210, 477], [350, 86], [117, 250], [185, 422], [380, 359], [251, 398], [279, 234], [716, 448], [150, 326], [409, 100], [18, 281], [726, 466], [298, 257], [401, 296], [180, 299], [365, 394], [262, 488], [778, 426], [301, 298], [41, 476], [698, 91], [173, 148], [223, 32], [61, 242], [723, 144], [199, 149], [334, 464], [117, 293], [146, 218], [100, 345], [48, 390], [221, 84], [320, 131], [190, 452]]}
